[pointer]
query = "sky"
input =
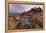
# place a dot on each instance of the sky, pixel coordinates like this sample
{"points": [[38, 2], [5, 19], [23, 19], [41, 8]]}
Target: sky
{"points": [[20, 8]]}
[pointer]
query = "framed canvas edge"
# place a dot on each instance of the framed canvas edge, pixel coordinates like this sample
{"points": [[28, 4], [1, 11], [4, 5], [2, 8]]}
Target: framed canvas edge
{"points": [[22, 2]]}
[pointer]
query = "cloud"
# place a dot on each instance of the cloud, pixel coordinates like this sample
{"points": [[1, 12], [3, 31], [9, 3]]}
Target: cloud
{"points": [[20, 8]]}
